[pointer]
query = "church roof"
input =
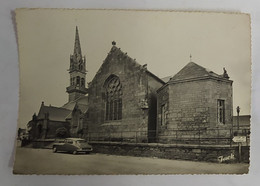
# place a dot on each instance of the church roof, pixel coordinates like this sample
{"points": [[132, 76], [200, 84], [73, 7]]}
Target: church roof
{"points": [[55, 113], [77, 48], [166, 79], [81, 101], [193, 71]]}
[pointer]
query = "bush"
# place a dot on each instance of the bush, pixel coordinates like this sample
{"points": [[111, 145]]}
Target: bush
{"points": [[61, 132]]}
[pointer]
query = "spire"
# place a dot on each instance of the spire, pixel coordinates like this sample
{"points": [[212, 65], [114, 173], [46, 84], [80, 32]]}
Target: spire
{"points": [[77, 71], [77, 49], [190, 58]]}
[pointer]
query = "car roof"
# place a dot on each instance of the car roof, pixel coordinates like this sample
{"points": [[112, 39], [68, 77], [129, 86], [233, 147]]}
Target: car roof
{"points": [[75, 139]]}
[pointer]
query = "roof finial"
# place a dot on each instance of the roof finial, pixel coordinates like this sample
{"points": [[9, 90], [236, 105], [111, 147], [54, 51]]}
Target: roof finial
{"points": [[190, 58], [225, 74]]}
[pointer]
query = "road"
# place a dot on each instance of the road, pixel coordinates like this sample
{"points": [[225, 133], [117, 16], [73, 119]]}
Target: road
{"points": [[44, 161]]}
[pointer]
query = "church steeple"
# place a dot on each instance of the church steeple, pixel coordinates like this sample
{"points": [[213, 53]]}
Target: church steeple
{"points": [[77, 49], [77, 71]]}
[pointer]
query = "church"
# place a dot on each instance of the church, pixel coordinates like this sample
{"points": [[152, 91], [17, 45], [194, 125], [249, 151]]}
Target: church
{"points": [[125, 102]]}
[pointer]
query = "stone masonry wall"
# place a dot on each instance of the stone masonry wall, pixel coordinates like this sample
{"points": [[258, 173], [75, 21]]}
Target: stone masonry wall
{"points": [[167, 151], [154, 85], [192, 111], [134, 79]]}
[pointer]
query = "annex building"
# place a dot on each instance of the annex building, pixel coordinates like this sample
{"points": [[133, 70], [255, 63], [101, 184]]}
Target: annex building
{"points": [[125, 102]]}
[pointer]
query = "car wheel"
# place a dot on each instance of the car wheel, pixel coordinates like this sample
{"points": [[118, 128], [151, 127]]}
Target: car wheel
{"points": [[74, 152], [54, 149]]}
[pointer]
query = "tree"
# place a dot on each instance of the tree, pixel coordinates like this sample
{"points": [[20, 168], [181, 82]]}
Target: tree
{"points": [[61, 132]]}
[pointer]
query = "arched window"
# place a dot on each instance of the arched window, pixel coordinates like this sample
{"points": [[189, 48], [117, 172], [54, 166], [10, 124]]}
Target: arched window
{"points": [[78, 81], [82, 82], [113, 98]]}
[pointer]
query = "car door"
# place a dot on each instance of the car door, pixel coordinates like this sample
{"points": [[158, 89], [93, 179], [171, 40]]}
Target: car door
{"points": [[62, 146], [70, 146]]}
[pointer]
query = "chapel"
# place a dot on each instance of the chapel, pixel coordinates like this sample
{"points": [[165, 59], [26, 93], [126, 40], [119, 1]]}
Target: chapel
{"points": [[128, 103]]}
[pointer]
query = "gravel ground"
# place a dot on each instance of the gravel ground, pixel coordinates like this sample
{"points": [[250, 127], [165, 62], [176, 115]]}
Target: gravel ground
{"points": [[44, 161]]}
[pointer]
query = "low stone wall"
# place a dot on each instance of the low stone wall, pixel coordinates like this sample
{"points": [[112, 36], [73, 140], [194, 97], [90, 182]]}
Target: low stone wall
{"points": [[43, 143], [168, 151]]}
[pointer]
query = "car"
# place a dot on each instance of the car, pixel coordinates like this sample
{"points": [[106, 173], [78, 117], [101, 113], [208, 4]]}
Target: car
{"points": [[72, 145]]}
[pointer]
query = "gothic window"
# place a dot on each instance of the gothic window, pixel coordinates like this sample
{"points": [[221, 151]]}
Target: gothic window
{"points": [[82, 82], [221, 111], [78, 81], [73, 81], [113, 98]]}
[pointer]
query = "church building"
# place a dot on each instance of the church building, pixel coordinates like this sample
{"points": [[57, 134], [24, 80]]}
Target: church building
{"points": [[126, 102], [68, 120], [122, 100]]}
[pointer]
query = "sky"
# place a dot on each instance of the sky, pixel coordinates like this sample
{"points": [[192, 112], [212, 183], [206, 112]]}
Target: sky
{"points": [[163, 40]]}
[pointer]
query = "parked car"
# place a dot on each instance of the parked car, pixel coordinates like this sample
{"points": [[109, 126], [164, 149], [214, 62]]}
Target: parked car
{"points": [[72, 145]]}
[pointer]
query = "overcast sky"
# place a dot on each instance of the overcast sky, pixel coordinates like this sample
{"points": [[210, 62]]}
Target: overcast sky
{"points": [[162, 40]]}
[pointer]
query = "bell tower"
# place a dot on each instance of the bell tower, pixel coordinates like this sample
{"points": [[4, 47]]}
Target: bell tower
{"points": [[77, 72]]}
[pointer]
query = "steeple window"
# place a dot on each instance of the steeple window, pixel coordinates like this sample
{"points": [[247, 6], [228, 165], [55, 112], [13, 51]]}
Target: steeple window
{"points": [[82, 82], [78, 81]]}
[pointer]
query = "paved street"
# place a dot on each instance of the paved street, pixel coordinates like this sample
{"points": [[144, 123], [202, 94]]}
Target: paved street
{"points": [[43, 161]]}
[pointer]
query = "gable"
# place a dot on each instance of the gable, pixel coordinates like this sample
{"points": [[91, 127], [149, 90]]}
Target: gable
{"points": [[55, 113], [118, 63]]}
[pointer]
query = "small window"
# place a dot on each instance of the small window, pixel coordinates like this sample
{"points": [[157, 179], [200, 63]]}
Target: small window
{"points": [[82, 82], [221, 111], [78, 81], [69, 141], [163, 110]]}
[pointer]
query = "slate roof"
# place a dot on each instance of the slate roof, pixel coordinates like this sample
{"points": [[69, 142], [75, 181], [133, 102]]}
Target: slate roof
{"points": [[82, 107], [166, 79], [193, 71], [81, 101], [55, 113]]}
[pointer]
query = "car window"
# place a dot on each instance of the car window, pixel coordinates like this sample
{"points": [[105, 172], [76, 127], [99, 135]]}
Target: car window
{"points": [[81, 141], [69, 141]]}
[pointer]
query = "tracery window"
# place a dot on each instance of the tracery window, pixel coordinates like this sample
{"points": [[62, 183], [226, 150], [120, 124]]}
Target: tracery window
{"points": [[113, 98]]}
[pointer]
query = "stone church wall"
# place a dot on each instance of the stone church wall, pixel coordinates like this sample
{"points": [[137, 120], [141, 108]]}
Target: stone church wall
{"points": [[134, 79], [191, 110]]}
